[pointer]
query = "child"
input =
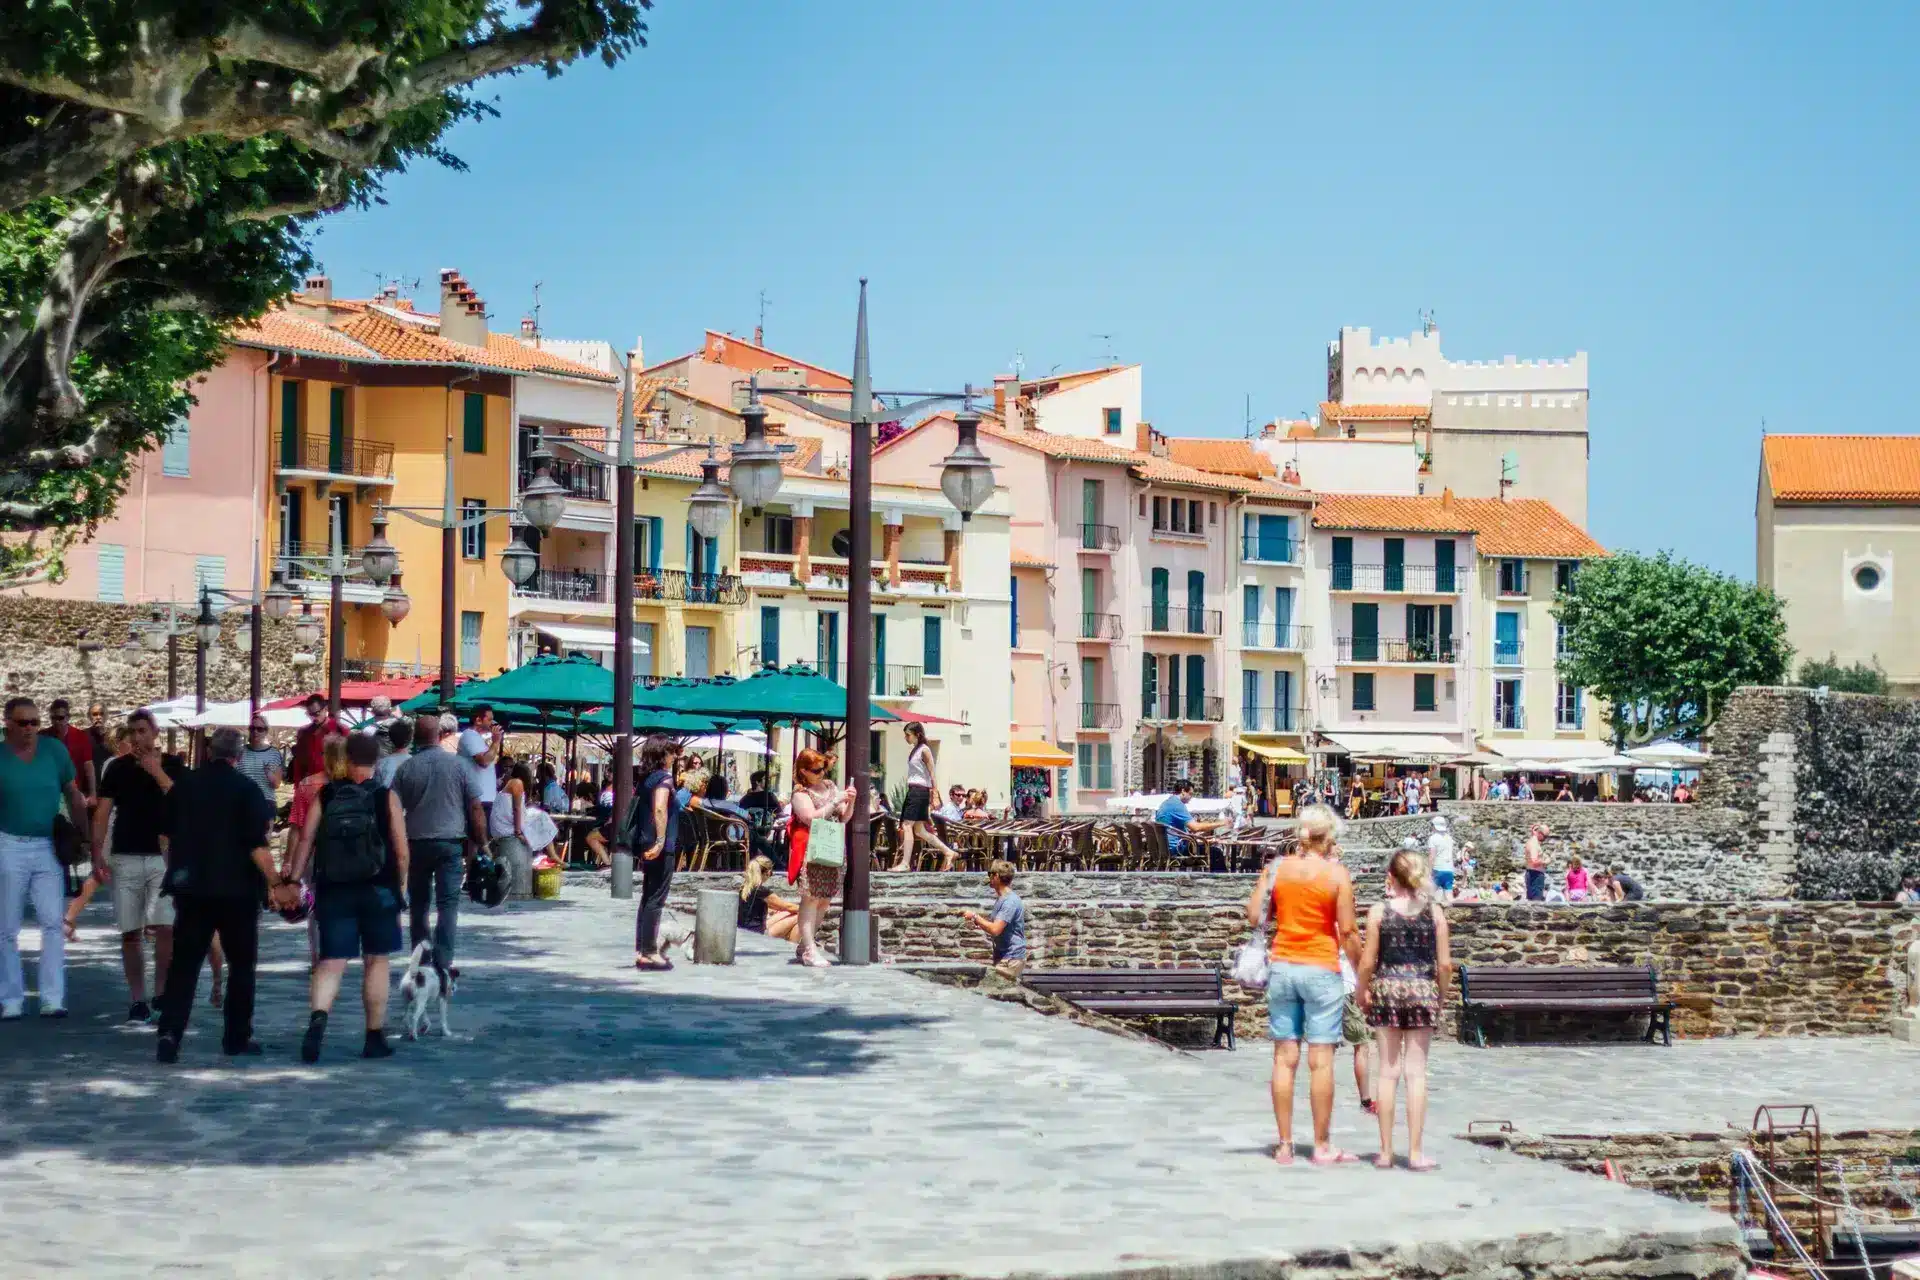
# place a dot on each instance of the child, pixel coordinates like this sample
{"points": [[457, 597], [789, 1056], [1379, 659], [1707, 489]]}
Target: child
{"points": [[1006, 925]]}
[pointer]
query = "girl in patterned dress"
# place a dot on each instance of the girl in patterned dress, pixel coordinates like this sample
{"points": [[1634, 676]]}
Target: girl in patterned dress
{"points": [[1404, 970]]}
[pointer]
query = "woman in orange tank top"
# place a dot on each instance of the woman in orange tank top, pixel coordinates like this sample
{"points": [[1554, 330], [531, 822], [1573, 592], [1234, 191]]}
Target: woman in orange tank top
{"points": [[1309, 902]]}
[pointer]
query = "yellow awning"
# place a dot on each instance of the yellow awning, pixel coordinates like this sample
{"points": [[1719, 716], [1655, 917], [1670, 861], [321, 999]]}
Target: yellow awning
{"points": [[1029, 754], [1267, 751]]}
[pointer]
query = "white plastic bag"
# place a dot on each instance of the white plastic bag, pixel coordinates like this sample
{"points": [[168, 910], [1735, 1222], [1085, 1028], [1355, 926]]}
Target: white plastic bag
{"points": [[1250, 963]]}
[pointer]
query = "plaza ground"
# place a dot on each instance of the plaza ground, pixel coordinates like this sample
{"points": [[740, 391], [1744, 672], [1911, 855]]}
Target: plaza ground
{"points": [[769, 1120]]}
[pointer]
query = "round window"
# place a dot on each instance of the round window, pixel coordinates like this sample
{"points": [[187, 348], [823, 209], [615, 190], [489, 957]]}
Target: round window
{"points": [[1866, 577]]}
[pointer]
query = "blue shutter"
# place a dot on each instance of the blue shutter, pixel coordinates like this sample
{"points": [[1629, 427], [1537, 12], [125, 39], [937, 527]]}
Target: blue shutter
{"points": [[1196, 687], [930, 653], [689, 548], [176, 452], [1014, 611], [712, 566], [880, 653], [656, 530], [1283, 702], [769, 635], [1250, 700], [1250, 595], [113, 572]]}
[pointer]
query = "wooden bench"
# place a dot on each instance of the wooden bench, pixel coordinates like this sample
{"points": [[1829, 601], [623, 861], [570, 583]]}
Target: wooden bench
{"points": [[1141, 993], [1487, 989]]}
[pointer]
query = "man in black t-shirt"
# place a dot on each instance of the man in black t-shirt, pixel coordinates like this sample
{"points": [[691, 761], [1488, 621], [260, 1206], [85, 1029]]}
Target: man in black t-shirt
{"points": [[133, 797], [356, 842]]}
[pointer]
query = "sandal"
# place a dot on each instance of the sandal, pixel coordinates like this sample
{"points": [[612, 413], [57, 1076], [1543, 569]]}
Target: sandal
{"points": [[1335, 1156], [1422, 1165], [1283, 1153], [1382, 1161], [73, 932]]}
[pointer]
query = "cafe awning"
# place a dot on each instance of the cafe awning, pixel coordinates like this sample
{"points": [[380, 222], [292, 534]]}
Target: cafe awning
{"points": [[1030, 754], [1546, 748], [1270, 751], [569, 636], [1396, 746]]}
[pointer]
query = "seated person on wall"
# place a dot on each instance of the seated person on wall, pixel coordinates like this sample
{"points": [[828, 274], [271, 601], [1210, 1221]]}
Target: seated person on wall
{"points": [[761, 911], [1006, 923], [1173, 812]]}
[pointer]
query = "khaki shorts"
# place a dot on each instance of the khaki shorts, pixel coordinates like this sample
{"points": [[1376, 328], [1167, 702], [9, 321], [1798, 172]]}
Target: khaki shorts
{"points": [[1353, 1024], [1011, 969], [137, 903]]}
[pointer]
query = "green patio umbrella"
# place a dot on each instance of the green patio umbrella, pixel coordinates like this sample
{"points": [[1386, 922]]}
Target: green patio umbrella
{"points": [[791, 693], [572, 682], [671, 723]]}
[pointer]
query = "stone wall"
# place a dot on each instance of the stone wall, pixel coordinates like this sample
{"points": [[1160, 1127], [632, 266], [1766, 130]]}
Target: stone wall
{"points": [[1826, 784], [1757, 968], [41, 656]]}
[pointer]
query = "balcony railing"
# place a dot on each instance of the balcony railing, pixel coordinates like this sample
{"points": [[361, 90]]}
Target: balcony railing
{"points": [[1272, 719], [1508, 655], [1099, 537], [834, 569], [1256, 549], [1272, 635], [1197, 707], [1570, 720], [890, 679], [576, 586], [1508, 715], [585, 480], [384, 669], [1171, 619], [1099, 715], [1435, 649], [1412, 579], [689, 588], [361, 459], [309, 560], [1100, 626]]}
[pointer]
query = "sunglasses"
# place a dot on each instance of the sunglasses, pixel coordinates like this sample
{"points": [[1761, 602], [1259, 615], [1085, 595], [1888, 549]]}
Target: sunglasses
{"points": [[257, 728], [18, 723]]}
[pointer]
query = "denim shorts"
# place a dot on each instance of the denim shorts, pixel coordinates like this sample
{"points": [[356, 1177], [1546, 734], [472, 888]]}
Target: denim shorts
{"points": [[1305, 1002], [356, 920], [1443, 880]]}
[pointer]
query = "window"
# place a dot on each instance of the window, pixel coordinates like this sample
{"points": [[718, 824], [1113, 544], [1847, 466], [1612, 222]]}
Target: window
{"points": [[1085, 753], [1563, 575], [1394, 571], [1363, 691], [930, 646], [1513, 577], [113, 572], [1250, 700], [1196, 687], [1506, 638], [1213, 513], [1149, 685], [1365, 641], [1423, 693], [1091, 508], [769, 635], [469, 641], [776, 535], [1111, 417], [879, 662], [1568, 713], [1443, 569], [1559, 641], [1143, 505], [337, 431], [1250, 608], [339, 523], [1196, 603], [826, 645], [209, 571], [1177, 516], [643, 649], [1343, 564], [474, 437], [1161, 586], [1193, 517], [473, 537], [292, 521], [290, 424], [176, 451], [1507, 710], [1867, 577], [1159, 513], [699, 652], [646, 545]]}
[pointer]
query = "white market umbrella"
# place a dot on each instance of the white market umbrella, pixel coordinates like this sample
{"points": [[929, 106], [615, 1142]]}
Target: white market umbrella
{"points": [[751, 741], [1670, 755], [174, 712], [237, 715], [1600, 764]]}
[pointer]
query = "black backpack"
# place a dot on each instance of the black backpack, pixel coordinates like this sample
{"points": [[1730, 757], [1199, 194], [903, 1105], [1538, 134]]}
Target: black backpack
{"points": [[352, 843], [639, 825]]}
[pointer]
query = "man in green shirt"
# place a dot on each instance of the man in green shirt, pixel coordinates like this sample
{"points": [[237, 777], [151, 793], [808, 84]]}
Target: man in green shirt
{"points": [[36, 774]]}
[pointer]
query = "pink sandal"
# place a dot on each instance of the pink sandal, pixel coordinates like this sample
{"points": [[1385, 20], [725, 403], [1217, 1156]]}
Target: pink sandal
{"points": [[1335, 1156]]}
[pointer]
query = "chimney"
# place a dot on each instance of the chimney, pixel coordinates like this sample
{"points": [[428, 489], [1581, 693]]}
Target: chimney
{"points": [[759, 336], [463, 316], [1446, 496], [529, 328], [318, 288], [1004, 388], [1142, 437], [309, 301]]}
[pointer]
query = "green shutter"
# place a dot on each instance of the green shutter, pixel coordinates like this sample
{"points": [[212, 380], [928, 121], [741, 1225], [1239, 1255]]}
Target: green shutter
{"points": [[337, 430], [769, 635], [476, 423], [290, 424], [1149, 680], [930, 658], [113, 572]]}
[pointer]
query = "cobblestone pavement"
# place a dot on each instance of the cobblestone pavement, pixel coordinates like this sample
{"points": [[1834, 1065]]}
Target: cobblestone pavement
{"points": [[759, 1120]]}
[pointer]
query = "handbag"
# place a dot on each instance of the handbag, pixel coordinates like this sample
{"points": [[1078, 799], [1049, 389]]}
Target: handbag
{"points": [[826, 843], [68, 848], [1250, 962]]}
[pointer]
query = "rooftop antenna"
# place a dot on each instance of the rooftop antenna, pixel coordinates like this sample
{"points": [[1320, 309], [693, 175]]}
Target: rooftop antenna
{"points": [[1427, 321], [536, 307], [1246, 419], [760, 330], [1108, 339], [1019, 365], [1509, 472]]}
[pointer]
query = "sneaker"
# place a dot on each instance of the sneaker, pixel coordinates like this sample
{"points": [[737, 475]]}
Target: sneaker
{"points": [[316, 1032], [12, 1011], [167, 1049], [377, 1046], [140, 1012]]}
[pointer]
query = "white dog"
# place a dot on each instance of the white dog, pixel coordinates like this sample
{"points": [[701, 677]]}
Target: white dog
{"points": [[424, 987], [675, 932]]}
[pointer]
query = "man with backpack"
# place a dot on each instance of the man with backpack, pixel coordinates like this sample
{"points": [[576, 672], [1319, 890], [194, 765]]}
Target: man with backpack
{"points": [[356, 841], [441, 800]]}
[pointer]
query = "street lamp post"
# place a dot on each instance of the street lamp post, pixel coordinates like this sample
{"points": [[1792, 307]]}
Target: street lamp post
{"points": [[967, 480], [623, 637]]}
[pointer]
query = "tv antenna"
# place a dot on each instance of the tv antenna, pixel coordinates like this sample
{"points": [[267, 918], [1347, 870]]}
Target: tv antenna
{"points": [[1427, 321], [1246, 421], [536, 304], [1509, 472], [1019, 365], [1108, 339], [760, 330]]}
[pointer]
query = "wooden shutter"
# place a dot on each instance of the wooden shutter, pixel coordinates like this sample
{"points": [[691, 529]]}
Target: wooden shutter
{"points": [[475, 434]]}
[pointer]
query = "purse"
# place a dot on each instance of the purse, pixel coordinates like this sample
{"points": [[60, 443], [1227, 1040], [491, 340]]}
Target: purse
{"points": [[826, 843], [68, 848]]}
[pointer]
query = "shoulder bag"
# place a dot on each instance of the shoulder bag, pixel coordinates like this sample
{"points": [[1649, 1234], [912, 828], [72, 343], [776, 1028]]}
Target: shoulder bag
{"points": [[68, 848], [826, 843]]}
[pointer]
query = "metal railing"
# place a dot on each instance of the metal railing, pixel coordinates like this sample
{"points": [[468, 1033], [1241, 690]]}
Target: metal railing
{"points": [[1273, 635], [1265, 550], [309, 560], [1182, 620], [1420, 649], [1272, 719], [890, 679], [386, 669], [1188, 706], [1511, 583], [581, 479], [580, 586], [1100, 626], [1508, 715], [1099, 537], [1099, 715], [1413, 579], [1508, 655], [364, 459], [689, 588]]}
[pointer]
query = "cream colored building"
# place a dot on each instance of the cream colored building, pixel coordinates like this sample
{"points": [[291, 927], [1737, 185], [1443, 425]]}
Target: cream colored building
{"points": [[1833, 518]]}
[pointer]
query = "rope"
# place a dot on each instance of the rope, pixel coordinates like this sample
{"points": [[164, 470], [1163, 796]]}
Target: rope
{"points": [[1777, 1218], [1865, 1215], [1851, 1216]]}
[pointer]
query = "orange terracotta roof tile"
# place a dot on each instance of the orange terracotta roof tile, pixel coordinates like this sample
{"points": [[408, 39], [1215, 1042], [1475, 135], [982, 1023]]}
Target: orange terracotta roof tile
{"points": [[1053, 382], [1027, 560], [1059, 446], [1342, 412], [1228, 457], [1166, 471], [281, 331], [370, 336], [1871, 469], [1516, 527], [683, 463]]}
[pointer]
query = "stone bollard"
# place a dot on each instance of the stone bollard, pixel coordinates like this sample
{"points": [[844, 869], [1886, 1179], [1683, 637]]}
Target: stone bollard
{"points": [[716, 924]]}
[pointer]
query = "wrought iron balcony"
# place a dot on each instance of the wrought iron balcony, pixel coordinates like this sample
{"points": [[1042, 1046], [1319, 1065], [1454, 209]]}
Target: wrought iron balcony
{"points": [[1369, 649], [1100, 626], [1258, 549], [1170, 619], [1193, 707], [1099, 715], [324, 456], [890, 679], [689, 588], [1272, 719], [1099, 537], [576, 586], [1396, 579], [1270, 635], [585, 480], [308, 560]]}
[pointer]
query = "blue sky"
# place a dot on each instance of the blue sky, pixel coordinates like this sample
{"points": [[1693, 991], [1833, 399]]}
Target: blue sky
{"points": [[1716, 202]]}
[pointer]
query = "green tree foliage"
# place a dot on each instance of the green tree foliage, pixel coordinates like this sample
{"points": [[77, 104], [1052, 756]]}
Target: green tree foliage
{"points": [[1861, 677], [1662, 642], [159, 163]]}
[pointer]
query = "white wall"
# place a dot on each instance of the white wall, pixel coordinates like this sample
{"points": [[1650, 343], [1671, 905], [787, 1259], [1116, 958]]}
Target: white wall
{"points": [[591, 404], [1079, 411], [1411, 370], [1349, 466]]}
